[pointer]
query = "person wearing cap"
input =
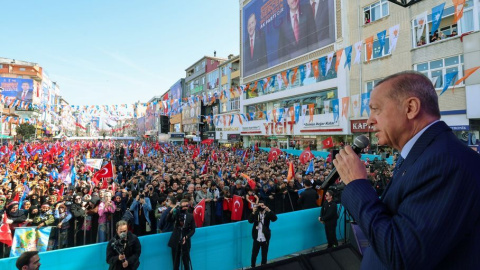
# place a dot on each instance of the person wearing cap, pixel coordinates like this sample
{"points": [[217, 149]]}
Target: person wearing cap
{"points": [[17, 216]]}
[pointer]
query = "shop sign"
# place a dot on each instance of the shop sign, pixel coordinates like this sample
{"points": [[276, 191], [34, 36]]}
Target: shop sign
{"points": [[359, 126], [233, 137], [279, 128], [177, 135], [460, 128]]}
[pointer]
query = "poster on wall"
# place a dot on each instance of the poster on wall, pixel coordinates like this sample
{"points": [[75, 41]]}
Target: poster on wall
{"points": [[275, 31], [21, 89]]}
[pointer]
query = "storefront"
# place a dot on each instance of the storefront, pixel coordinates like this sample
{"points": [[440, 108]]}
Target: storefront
{"points": [[291, 134]]}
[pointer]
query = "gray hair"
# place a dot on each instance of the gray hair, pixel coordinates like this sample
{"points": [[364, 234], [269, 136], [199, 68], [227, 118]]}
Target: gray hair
{"points": [[412, 83]]}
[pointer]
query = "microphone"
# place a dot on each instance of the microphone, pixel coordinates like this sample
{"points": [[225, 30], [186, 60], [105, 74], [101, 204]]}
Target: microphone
{"points": [[359, 144]]}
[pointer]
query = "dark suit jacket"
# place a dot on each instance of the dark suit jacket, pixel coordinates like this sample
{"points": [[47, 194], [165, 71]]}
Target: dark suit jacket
{"points": [[28, 96], [308, 199], [288, 47], [428, 216], [255, 218], [259, 60], [325, 32], [132, 253], [178, 232]]}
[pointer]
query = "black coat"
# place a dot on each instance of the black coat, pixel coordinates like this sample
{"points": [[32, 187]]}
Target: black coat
{"points": [[255, 219], [328, 214], [308, 199], [179, 231], [132, 253]]}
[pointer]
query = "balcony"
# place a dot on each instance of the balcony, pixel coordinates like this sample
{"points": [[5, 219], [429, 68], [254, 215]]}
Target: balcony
{"points": [[35, 72]]}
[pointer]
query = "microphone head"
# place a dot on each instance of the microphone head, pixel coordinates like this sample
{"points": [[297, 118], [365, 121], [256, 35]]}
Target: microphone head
{"points": [[361, 142]]}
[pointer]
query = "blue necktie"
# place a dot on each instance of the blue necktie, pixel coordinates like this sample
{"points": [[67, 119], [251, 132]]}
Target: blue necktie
{"points": [[400, 160]]}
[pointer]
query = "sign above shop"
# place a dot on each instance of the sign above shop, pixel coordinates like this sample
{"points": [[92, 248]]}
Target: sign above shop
{"points": [[359, 126], [177, 135], [234, 137]]}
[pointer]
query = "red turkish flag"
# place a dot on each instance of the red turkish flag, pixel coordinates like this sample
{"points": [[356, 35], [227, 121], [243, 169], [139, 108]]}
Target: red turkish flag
{"points": [[328, 142], [199, 213], [226, 204], [196, 152], [5, 233], [237, 207], [214, 156], [274, 154], [306, 156], [105, 172]]}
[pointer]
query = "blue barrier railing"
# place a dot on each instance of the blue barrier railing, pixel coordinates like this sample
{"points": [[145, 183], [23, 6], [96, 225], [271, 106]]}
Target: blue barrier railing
{"points": [[324, 154], [226, 246]]}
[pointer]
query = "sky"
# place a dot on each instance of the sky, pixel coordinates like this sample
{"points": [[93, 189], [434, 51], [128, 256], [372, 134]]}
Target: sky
{"points": [[117, 51]]}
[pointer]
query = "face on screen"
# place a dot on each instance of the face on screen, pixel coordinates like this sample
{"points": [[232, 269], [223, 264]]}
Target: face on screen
{"points": [[252, 22]]}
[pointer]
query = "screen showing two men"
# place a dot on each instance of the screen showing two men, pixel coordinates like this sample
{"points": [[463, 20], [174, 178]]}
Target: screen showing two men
{"points": [[275, 31]]}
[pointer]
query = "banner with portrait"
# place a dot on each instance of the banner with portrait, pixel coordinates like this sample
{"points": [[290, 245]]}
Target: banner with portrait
{"points": [[275, 31], [20, 89]]}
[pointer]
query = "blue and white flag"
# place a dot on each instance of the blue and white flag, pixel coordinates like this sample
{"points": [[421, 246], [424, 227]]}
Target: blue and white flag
{"points": [[437, 13]]}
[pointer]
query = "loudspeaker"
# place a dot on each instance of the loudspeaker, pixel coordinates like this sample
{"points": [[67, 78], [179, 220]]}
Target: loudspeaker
{"points": [[344, 257]]}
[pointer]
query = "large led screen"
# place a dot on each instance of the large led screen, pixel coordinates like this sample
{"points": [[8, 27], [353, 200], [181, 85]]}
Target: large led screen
{"points": [[275, 31]]}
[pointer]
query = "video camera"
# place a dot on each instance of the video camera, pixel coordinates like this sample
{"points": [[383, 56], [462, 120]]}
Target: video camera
{"points": [[119, 244]]}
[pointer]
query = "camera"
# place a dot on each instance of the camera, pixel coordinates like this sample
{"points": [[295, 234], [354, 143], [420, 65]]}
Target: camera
{"points": [[119, 244], [142, 196]]}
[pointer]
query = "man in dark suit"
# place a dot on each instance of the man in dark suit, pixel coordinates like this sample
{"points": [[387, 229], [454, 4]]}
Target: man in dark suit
{"points": [[308, 198], [26, 93], [297, 32], [183, 230], [328, 217], [261, 217], [427, 217], [255, 48], [322, 12]]}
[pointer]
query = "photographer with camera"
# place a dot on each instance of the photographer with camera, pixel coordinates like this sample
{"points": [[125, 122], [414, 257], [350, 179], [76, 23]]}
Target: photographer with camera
{"points": [[141, 208], [261, 217], [183, 230], [123, 250]]}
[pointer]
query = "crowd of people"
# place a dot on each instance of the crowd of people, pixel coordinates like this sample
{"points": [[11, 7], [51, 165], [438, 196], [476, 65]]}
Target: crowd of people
{"points": [[49, 184]]}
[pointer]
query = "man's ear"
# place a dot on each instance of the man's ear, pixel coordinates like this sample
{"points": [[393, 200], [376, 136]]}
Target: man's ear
{"points": [[412, 107]]}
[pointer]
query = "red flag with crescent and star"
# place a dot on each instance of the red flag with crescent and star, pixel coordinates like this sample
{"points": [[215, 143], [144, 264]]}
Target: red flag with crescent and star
{"points": [[5, 233], [105, 172], [274, 154], [306, 156], [237, 207], [199, 213], [328, 142]]}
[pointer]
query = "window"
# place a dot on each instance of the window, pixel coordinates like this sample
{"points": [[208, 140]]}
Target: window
{"points": [[1, 66], [376, 53], [436, 69], [375, 11], [371, 85], [235, 103], [203, 64], [447, 28], [211, 62]]}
